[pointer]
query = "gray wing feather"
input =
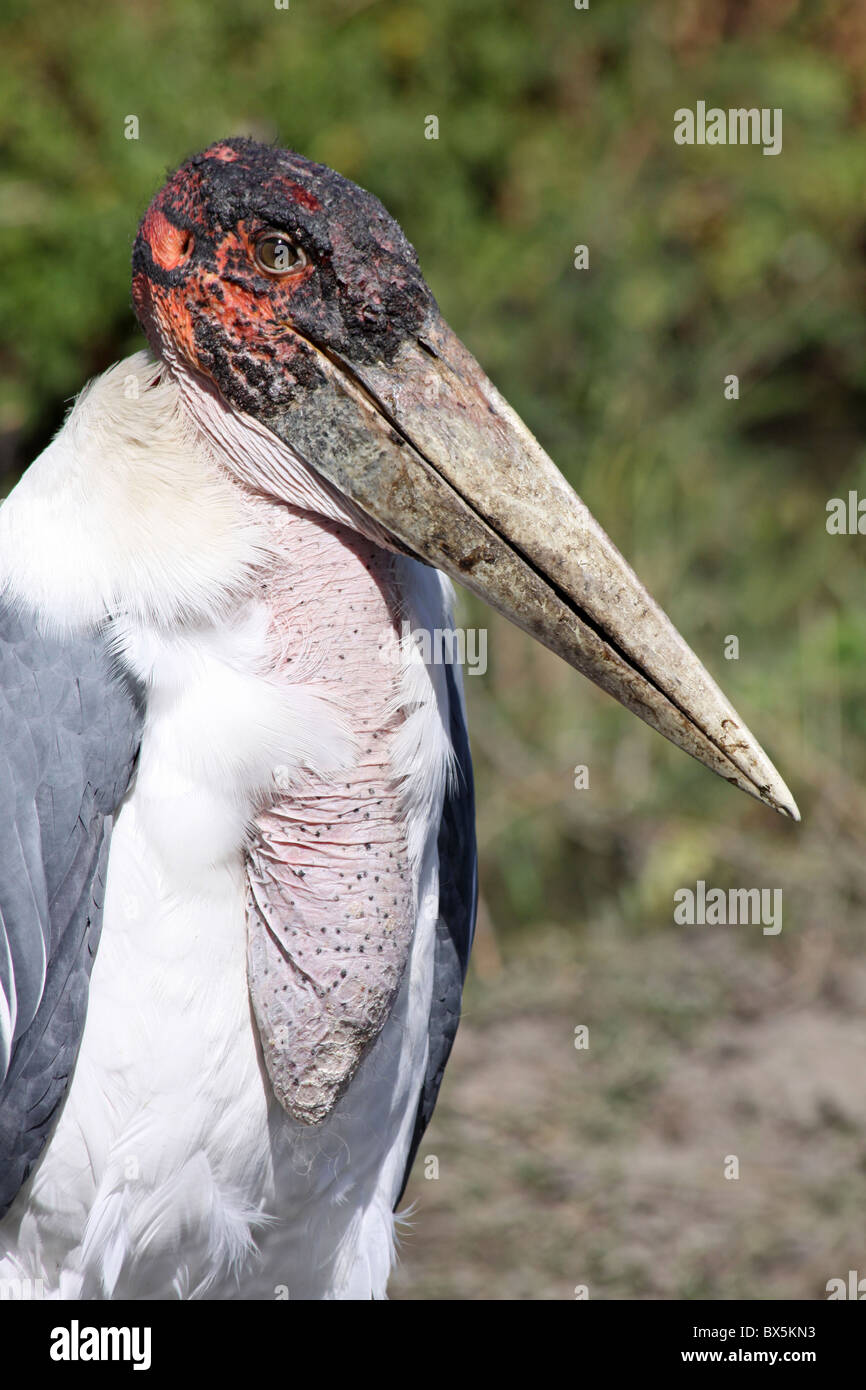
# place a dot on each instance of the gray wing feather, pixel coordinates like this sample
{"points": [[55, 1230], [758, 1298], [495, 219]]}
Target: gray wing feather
{"points": [[69, 731], [455, 926]]}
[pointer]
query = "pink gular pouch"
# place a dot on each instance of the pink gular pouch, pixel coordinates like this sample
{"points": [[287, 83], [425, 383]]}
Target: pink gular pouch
{"points": [[330, 896]]}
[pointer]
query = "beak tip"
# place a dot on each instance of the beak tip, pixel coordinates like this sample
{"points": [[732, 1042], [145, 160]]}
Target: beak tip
{"points": [[781, 800]]}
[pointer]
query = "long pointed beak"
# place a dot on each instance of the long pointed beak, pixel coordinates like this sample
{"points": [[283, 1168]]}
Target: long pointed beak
{"points": [[428, 448]]}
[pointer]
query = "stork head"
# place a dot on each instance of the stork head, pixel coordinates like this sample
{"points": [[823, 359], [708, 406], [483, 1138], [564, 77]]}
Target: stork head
{"points": [[294, 295], [253, 262]]}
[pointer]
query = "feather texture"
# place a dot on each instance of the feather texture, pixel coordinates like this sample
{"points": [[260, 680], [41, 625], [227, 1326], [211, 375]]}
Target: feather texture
{"points": [[69, 727]]}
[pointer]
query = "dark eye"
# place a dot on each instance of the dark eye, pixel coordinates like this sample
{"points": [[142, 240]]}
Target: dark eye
{"points": [[277, 255]]}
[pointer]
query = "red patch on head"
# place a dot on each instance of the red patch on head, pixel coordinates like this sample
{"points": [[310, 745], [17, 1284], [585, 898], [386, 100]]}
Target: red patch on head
{"points": [[164, 313], [224, 153], [300, 195], [170, 246], [178, 320]]}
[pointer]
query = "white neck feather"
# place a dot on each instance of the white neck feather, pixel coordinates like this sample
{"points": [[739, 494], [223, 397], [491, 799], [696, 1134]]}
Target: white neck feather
{"points": [[127, 512], [135, 508]]}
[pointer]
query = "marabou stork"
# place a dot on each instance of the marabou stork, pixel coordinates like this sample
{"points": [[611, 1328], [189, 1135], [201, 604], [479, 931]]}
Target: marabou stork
{"points": [[219, 753]]}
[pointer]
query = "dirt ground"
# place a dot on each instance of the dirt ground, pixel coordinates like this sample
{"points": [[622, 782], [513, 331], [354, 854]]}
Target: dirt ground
{"points": [[606, 1167]]}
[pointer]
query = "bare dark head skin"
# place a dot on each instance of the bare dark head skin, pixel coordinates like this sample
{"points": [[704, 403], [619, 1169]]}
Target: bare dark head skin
{"points": [[343, 278]]}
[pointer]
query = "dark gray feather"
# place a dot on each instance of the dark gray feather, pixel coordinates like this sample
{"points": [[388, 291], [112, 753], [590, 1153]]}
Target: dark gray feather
{"points": [[69, 730], [458, 901]]}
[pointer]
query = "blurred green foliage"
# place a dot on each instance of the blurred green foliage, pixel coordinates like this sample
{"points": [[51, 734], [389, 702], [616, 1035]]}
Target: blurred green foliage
{"points": [[555, 129]]}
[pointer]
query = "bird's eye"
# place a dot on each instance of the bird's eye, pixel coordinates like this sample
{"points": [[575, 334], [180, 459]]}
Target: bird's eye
{"points": [[277, 255]]}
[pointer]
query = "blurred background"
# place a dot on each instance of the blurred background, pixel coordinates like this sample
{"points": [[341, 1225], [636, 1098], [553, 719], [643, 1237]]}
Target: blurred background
{"points": [[559, 1167]]}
